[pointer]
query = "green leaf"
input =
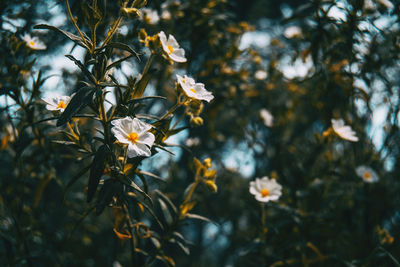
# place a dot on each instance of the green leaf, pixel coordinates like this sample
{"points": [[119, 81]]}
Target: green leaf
{"points": [[109, 189], [96, 171], [183, 247], [79, 100], [161, 127], [167, 200], [151, 213], [164, 148], [76, 39], [116, 63], [198, 217], [124, 47], [140, 86], [61, 142], [85, 71], [166, 212], [151, 175], [132, 184], [146, 98]]}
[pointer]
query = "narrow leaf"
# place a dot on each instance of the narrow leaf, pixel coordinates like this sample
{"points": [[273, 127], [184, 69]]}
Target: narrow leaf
{"points": [[167, 200], [79, 100], [85, 71], [76, 39], [199, 217], [166, 212], [96, 171], [140, 86], [124, 47]]}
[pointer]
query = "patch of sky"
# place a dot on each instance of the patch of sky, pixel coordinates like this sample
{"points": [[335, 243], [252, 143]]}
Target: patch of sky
{"points": [[239, 157], [215, 236]]}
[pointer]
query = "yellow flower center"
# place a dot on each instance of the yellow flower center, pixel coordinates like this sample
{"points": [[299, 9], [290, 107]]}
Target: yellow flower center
{"points": [[367, 175], [171, 49], [32, 43], [192, 90], [264, 192], [133, 137], [61, 105]]}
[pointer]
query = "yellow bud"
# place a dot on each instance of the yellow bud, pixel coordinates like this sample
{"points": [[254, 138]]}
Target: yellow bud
{"points": [[185, 208], [211, 185], [210, 174], [195, 106], [196, 121], [139, 3], [327, 132], [142, 36], [207, 163], [131, 12]]}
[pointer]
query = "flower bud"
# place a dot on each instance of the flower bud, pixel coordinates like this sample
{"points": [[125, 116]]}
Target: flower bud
{"points": [[195, 107], [196, 121], [207, 163], [142, 36], [139, 3], [131, 12], [211, 185]]}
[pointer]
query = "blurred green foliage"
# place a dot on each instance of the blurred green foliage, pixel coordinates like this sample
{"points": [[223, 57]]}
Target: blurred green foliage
{"points": [[342, 57]]}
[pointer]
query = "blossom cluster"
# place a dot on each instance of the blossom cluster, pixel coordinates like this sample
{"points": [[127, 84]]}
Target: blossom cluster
{"points": [[131, 131]]}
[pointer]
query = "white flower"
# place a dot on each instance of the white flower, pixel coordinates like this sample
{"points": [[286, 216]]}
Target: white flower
{"points": [[367, 174], [57, 102], [261, 75], [292, 31], [171, 47], [134, 133], [265, 189], [343, 131], [150, 16], [193, 89], [33, 42], [267, 117]]}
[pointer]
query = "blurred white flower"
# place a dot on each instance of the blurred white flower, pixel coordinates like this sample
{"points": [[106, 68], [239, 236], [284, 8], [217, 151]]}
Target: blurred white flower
{"points": [[386, 3], [343, 131], [195, 141], [292, 31], [58, 102], [369, 5], [267, 117], [166, 15], [367, 174], [171, 47], [33, 42], [193, 89], [265, 189], [261, 75], [134, 133], [150, 16]]}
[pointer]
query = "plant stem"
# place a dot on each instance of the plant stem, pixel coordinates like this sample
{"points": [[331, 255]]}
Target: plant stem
{"points": [[263, 220], [75, 24], [133, 239], [147, 66], [171, 110]]}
